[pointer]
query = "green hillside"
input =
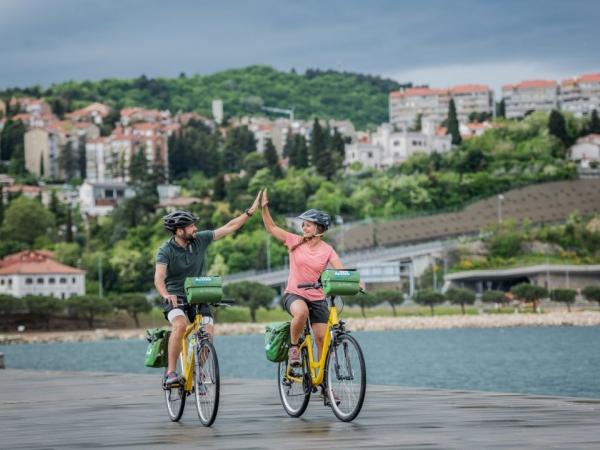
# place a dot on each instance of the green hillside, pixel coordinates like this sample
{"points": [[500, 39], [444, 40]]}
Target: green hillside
{"points": [[363, 99]]}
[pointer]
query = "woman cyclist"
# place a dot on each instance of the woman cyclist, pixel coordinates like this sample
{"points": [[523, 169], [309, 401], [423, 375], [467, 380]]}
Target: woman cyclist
{"points": [[309, 255]]}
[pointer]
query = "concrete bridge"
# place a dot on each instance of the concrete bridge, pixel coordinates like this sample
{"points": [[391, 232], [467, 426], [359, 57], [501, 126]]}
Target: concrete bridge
{"points": [[376, 265]]}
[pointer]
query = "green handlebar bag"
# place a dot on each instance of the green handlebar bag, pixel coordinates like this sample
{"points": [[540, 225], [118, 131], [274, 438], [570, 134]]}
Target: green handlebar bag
{"points": [[340, 281], [207, 289]]}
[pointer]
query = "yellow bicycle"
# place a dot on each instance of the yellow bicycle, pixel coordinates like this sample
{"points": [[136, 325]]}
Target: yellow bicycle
{"points": [[340, 371], [198, 367]]}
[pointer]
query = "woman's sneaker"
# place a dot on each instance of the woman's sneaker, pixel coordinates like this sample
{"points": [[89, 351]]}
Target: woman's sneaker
{"points": [[171, 379], [325, 397], [294, 357]]}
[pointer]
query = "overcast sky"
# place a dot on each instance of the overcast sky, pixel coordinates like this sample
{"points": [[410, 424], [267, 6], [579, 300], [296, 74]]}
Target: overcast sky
{"points": [[441, 43]]}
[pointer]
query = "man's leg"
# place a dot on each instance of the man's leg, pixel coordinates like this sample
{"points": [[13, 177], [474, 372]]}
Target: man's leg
{"points": [[178, 325]]}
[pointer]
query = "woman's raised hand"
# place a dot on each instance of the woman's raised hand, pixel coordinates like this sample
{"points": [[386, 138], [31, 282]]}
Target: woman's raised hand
{"points": [[264, 199]]}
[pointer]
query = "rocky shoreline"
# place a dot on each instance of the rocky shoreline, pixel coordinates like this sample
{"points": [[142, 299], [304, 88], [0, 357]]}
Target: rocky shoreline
{"points": [[579, 318]]}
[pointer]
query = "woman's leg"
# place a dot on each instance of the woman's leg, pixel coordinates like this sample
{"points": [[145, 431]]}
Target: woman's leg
{"points": [[319, 330], [299, 311]]}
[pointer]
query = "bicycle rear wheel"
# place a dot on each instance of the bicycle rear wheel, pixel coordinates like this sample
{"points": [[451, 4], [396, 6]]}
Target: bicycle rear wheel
{"points": [[175, 396], [294, 392], [206, 382], [346, 377]]}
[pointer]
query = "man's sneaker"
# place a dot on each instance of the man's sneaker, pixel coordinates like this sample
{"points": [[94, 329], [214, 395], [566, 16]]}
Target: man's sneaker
{"points": [[294, 357], [171, 379]]}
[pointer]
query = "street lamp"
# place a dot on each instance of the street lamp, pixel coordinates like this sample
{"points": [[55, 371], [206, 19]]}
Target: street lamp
{"points": [[339, 220], [500, 200]]}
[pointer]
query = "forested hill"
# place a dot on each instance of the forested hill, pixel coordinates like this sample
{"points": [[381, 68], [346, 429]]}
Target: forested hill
{"points": [[363, 99]]}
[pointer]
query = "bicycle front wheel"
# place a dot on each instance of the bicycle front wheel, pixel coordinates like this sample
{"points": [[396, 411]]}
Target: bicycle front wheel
{"points": [[206, 382], [295, 390], [346, 377], [175, 396]]}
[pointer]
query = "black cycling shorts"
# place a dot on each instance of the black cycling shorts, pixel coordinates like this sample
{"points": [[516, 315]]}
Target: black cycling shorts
{"points": [[189, 310], [318, 310]]}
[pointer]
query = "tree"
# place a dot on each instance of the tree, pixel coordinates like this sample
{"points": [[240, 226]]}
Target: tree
{"points": [[42, 170], [364, 301], [42, 307], [592, 294], [25, 220], [9, 305], [219, 188], [133, 304], [320, 155], [250, 294], [138, 168], [529, 293], [67, 161], [82, 159], [88, 307], [11, 138], [453, 126], [493, 296], [460, 296], [299, 155], [69, 227], [558, 127], [594, 125], [501, 109], [394, 298], [564, 296], [272, 159], [429, 297]]}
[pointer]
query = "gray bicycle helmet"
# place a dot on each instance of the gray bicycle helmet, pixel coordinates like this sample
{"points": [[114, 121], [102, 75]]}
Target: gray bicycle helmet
{"points": [[317, 216], [179, 219]]}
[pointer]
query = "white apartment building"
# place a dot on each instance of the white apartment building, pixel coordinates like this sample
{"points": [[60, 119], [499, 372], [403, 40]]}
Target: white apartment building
{"points": [[586, 150], [389, 147], [406, 106], [529, 95], [43, 145], [36, 273], [109, 158], [99, 199], [580, 95]]}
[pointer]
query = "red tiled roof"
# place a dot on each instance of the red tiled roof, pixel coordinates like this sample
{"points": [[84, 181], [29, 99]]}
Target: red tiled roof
{"points": [[34, 262], [23, 188], [466, 88], [590, 77], [418, 92], [527, 84]]}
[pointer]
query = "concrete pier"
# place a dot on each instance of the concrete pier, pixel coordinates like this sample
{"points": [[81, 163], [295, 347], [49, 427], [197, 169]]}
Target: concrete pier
{"points": [[52, 410]]}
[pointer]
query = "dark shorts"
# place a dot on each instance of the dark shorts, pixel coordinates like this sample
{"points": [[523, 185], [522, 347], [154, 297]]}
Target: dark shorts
{"points": [[318, 311], [189, 310]]}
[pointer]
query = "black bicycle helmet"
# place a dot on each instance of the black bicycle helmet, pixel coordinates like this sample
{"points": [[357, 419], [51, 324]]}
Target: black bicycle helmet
{"points": [[317, 216], [179, 219]]}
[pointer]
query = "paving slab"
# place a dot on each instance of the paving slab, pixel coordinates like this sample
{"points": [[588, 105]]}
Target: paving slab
{"points": [[78, 410]]}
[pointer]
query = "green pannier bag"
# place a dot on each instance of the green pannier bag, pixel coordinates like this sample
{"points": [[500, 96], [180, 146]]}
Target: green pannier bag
{"points": [[277, 341], [340, 281], [158, 347], [205, 289]]}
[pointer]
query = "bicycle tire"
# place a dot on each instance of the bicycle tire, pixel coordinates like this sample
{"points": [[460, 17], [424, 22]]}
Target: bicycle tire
{"points": [[346, 377], [175, 397], [207, 382], [294, 396]]}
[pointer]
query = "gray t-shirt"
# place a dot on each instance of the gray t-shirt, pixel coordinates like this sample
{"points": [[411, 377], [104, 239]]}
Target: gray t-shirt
{"points": [[182, 263]]}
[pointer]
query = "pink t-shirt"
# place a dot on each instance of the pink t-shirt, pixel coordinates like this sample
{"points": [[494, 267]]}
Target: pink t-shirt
{"points": [[306, 264]]}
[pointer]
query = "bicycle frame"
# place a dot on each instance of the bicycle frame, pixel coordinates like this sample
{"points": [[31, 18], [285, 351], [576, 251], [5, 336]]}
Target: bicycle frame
{"points": [[187, 354], [317, 368]]}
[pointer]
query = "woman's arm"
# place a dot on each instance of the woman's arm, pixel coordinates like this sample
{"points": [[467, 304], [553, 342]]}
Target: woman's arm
{"points": [[270, 226]]}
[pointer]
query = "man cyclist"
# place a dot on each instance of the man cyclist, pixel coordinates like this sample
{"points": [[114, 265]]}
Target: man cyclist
{"points": [[183, 256]]}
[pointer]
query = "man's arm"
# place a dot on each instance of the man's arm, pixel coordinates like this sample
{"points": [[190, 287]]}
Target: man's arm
{"points": [[160, 272], [235, 224]]}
